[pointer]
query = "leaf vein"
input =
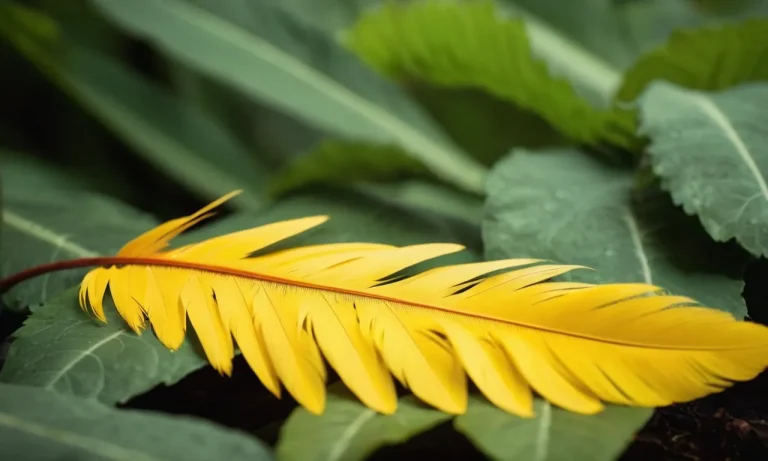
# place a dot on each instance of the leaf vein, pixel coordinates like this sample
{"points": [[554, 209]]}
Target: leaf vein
{"points": [[637, 242], [542, 435], [80, 356], [337, 451], [44, 234], [713, 111]]}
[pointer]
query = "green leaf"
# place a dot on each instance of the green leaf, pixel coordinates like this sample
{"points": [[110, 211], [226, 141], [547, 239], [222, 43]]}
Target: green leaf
{"points": [[350, 431], [35, 424], [176, 137], [711, 152], [707, 58], [458, 44], [63, 349], [334, 162], [47, 218], [296, 69], [567, 207], [484, 124], [553, 434]]}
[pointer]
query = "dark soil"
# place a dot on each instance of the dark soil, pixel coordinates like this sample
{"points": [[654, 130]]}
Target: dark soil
{"points": [[729, 426]]}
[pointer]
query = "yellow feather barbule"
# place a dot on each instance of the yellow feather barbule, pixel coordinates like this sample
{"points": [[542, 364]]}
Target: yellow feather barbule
{"points": [[513, 333]]}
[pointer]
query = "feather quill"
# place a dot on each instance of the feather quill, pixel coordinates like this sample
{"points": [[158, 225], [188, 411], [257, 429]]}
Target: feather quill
{"points": [[513, 333]]}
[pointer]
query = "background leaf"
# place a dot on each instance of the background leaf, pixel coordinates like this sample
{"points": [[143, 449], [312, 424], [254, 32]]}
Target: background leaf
{"points": [[711, 152], [63, 349], [47, 218], [483, 124], [707, 58], [568, 207], [350, 431], [46, 425], [301, 71], [459, 44], [553, 434]]}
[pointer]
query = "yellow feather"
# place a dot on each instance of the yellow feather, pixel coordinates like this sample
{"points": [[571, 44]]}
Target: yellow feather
{"points": [[513, 333]]}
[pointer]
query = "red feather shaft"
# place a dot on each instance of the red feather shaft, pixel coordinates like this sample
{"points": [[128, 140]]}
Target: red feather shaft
{"points": [[9, 282]]}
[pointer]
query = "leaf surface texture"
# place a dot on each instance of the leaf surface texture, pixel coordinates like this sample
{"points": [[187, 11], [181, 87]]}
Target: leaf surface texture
{"points": [[459, 44], [711, 152], [563, 205]]}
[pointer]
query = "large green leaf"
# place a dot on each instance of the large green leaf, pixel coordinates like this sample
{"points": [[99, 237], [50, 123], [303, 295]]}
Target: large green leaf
{"points": [[176, 137], [711, 152], [714, 57], [568, 207], [47, 218], [350, 431], [260, 50], [40, 425], [553, 434], [63, 349], [484, 124], [457, 44]]}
